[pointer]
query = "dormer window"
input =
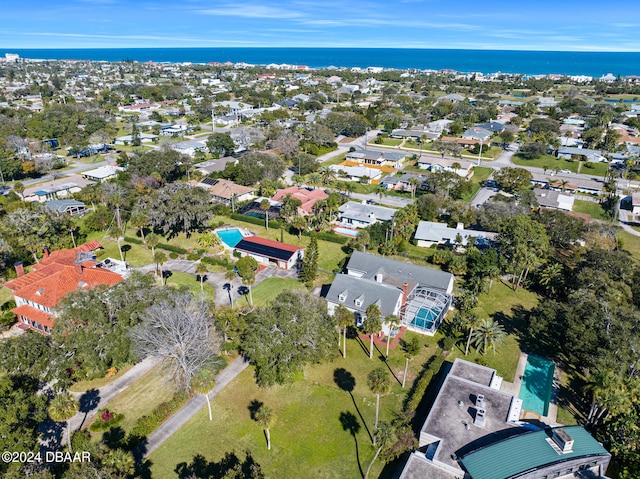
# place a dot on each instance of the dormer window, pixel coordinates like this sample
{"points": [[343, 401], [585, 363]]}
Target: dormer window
{"points": [[359, 301], [342, 297]]}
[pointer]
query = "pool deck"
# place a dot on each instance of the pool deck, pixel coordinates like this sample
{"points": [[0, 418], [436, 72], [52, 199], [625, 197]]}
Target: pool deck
{"points": [[514, 388]]}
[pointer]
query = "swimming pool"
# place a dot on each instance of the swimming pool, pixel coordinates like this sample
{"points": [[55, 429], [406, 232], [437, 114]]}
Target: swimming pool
{"points": [[537, 382], [346, 231], [230, 237], [424, 318]]}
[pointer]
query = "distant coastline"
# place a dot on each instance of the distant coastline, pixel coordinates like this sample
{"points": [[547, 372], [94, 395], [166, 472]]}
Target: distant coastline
{"points": [[594, 64]]}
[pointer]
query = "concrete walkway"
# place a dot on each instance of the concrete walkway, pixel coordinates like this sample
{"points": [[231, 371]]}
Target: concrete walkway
{"points": [[106, 393], [183, 415]]}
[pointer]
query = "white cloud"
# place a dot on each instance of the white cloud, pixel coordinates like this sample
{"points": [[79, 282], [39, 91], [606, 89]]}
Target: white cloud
{"points": [[251, 11]]}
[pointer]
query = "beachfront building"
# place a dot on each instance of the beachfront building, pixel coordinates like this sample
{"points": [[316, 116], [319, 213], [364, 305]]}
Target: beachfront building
{"points": [[474, 431], [59, 273], [419, 296]]}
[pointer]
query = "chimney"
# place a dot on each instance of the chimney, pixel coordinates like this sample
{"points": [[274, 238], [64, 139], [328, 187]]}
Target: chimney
{"points": [[405, 293], [46, 251], [78, 268], [19, 268], [460, 226]]}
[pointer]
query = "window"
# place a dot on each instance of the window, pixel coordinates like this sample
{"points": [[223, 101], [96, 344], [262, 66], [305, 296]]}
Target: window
{"points": [[342, 298], [358, 302]]}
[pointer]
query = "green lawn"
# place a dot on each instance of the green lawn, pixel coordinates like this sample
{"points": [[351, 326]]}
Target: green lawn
{"points": [[307, 434], [266, 291], [502, 304], [178, 279], [387, 141], [142, 396], [630, 243], [5, 295], [552, 163], [335, 160], [82, 386], [480, 174], [590, 208]]}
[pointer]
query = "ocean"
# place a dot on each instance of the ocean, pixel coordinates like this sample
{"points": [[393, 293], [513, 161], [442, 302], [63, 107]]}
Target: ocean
{"points": [[595, 64]]}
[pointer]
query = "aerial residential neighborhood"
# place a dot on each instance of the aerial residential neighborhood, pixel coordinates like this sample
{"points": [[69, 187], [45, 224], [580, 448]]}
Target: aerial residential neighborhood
{"points": [[246, 271]]}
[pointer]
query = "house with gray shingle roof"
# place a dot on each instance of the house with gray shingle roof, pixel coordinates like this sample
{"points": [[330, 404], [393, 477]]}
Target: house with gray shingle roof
{"points": [[419, 296]]}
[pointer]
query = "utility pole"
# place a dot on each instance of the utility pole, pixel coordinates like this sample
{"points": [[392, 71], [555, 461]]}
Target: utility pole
{"points": [[480, 154]]}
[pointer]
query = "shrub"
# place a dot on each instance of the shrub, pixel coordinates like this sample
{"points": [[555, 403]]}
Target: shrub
{"points": [[106, 420], [173, 255], [195, 256], [129, 239], [171, 248], [147, 424], [420, 386], [254, 221], [218, 261], [330, 236]]}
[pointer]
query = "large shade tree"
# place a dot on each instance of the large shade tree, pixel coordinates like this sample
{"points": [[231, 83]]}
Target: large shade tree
{"points": [[293, 331]]}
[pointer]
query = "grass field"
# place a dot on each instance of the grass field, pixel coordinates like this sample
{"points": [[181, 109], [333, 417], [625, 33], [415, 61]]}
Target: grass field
{"points": [[178, 279], [307, 434], [142, 396], [590, 208], [630, 243], [270, 288], [552, 163], [82, 386]]}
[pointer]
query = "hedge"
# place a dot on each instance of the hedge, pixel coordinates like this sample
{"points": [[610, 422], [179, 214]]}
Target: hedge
{"points": [[147, 424], [329, 236], [164, 246], [253, 220], [420, 386], [218, 262], [129, 239], [171, 248]]}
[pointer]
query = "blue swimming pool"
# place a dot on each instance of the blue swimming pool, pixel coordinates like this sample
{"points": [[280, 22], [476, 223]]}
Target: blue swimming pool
{"points": [[424, 318], [230, 237], [537, 382], [346, 231]]}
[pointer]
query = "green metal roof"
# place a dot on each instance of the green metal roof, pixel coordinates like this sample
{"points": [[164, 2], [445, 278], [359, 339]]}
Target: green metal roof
{"points": [[526, 452]]}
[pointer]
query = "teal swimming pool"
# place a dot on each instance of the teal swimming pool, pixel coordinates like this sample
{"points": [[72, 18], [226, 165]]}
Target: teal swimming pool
{"points": [[537, 382], [424, 318], [230, 237]]}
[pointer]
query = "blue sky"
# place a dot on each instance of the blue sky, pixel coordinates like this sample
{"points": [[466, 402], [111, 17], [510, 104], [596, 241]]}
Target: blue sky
{"points": [[569, 25]]}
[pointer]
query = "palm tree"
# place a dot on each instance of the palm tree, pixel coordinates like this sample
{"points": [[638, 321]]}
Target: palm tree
{"points": [[201, 270], [550, 276], [563, 184], [471, 320], [410, 348], [493, 272], [344, 318], [230, 275], [456, 166], [372, 324], [120, 460], [327, 174], [264, 206], [265, 417], [139, 220], [487, 335], [384, 435], [299, 223], [62, 408], [19, 188], [209, 239], [159, 259], [314, 179], [153, 240], [202, 383], [379, 383], [393, 322], [414, 182]]}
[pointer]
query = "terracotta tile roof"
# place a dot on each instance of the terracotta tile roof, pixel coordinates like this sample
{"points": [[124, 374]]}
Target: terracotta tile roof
{"points": [[307, 197], [42, 317], [58, 275]]}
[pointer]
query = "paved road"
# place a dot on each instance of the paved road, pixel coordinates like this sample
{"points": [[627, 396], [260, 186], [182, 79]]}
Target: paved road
{"points": [[183, 415], [106, 393]]}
